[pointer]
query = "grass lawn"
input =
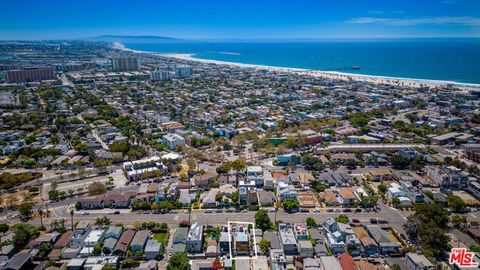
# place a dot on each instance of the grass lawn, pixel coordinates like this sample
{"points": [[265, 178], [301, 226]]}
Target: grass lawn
{"points": [[160, 237]]}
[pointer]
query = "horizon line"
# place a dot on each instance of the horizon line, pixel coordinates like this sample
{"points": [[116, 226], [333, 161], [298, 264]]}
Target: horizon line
{"points": [[200, 39]]}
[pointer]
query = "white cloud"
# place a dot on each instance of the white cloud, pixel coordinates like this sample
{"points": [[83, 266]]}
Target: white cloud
{"points": [[464, 20]]}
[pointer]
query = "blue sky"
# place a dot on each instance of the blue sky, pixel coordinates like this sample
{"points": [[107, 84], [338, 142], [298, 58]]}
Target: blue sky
{"points": [[247, 19]]}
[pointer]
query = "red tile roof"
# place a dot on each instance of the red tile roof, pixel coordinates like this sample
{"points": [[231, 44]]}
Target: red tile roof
{"points": [[346, 261]]}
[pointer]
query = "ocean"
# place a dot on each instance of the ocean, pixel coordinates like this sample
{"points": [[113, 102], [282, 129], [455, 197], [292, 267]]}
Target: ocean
{"points": [[455, 60]]}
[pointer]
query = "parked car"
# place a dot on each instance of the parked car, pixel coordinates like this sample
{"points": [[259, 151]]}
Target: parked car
{"points": [[358, 210], [208, 211], [348, 210], [355, 220], [373, 221], [316, 210]]}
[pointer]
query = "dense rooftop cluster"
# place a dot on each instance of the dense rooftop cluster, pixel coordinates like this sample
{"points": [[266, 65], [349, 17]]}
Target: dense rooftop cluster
{"points": [[171, 138]]}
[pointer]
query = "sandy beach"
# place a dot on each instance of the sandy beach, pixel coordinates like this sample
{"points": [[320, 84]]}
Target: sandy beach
{"points": [[334, 75]]}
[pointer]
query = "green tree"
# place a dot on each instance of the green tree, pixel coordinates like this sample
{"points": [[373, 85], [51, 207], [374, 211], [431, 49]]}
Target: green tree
{"points": [[311, 222], [399, 162], [264, 245], [395, 267], [22, 234], [4, 227], [25, 211], [458, 220], [290, 205], [396, 202], [456, 203], [342, 219], [382, 188], [429, 224], [262, 220], [178, 261], [97, 249], [96, 188]]}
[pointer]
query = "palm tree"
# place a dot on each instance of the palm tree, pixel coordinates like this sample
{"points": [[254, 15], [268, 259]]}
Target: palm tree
{"points": [[71, 216], [276, 210], [40, 212]]}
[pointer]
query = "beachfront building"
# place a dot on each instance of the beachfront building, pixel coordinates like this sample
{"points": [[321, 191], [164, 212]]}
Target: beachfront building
{"points": [[182, 72], [160, 75]]}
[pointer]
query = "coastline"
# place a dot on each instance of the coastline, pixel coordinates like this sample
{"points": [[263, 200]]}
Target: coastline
{"points": [[335, 75]]}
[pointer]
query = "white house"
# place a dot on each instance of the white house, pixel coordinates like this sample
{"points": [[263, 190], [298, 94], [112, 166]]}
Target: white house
{"points": [[172, 140]]}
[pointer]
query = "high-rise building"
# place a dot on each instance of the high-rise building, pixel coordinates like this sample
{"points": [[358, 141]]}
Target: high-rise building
{"points": [[125, 63], [30, 75], [183, 72], [160, 75]]}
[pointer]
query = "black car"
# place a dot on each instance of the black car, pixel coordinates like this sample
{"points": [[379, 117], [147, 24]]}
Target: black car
{"points": [[373, 221], [348, 210]]}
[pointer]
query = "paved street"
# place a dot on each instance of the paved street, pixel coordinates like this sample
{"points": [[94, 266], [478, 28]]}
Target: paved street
{"points": [[220, 219]]}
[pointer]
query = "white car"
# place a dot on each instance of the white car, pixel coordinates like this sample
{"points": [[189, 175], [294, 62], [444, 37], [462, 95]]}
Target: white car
{"points": [[85, 213], [316, 210]]}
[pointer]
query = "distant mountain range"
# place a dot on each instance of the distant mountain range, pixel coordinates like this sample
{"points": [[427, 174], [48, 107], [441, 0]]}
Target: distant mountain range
{"points": [[135, 39]]}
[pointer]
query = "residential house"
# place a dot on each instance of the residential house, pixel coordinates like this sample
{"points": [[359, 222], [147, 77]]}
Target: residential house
{"points": [[255, 173], [287, 238], [93, 238], [140, 240], [242, 241], [224, 243], [418, 262], [273, 239], [63, 240], [109, 245], [386, 244], [277, 259], [173, 140], [346, 261], [195, 238], [152, 249], [305, 249], [300, 231], [346, 196], [203, 180], [330, 263], [285, 191], [114, 232], [21, 261], [180, 235], [80, 233], [369, 246], [123, 243]]}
